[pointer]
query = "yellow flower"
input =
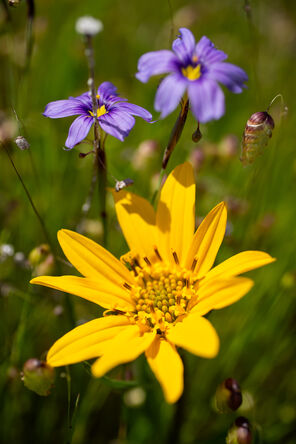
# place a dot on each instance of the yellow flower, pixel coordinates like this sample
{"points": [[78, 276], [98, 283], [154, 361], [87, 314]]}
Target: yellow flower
{"points": [[157, 301]]}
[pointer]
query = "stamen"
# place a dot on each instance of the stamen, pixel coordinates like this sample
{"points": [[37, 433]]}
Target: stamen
{"points": [[137, 263], [126, 285], [157, 253], [147, 261], [194, 262], [134, 269], [176, 259]]}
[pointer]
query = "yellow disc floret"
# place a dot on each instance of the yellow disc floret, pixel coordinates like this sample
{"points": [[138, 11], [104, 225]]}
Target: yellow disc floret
{"points": [[161, 294]]}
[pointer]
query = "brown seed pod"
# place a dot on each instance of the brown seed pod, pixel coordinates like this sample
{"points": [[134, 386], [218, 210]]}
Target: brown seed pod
{"points": [[257, 132]]}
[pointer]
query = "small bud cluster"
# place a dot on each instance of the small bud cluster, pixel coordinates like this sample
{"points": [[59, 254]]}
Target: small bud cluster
{"points": [[88, 25], [38, 376]]}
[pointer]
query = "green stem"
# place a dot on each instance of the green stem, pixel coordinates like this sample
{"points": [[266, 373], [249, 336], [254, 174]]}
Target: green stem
{"points": [[98, 144], [42, 224]]}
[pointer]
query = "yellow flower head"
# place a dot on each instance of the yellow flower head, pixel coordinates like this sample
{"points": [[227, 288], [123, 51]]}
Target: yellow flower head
{"points": [[159, 292]]}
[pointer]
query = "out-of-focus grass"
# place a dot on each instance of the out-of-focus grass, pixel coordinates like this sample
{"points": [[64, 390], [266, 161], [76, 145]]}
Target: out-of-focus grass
{"points": [[257, 343]]}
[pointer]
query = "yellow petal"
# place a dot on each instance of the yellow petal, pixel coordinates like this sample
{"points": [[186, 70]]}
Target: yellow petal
{"points": [[126, 347], [91, 259], [240, 263], [101, 292], [196, 334], [167, 366], [207, 240], [136, 217], [87, 341], [221, 293], [175, 213]]}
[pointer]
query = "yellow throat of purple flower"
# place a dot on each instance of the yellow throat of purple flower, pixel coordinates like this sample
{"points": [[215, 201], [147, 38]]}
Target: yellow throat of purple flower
{"points": [[100, 111], [191, 72]]}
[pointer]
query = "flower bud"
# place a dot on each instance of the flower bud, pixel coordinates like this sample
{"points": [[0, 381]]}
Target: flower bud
{"points": [[120, 184], [38, 255], [22, 143], [134, 397], [38, 376], [240, 432], [257, 132], [196, 136], [228, 396], [88, 25], [14, 2], [41, 259]]}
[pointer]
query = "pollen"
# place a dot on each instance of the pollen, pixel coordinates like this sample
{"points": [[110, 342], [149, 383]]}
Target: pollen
{"points": [[161, 295], [191, 72], [100, 111]]}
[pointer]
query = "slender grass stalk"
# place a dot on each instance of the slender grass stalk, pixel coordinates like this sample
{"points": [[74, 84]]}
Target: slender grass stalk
{"points": [[41, 221], [99, 150], [29, 32]]}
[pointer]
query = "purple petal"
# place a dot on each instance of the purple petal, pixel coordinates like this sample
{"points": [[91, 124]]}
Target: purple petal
{"points": [[84, 98], [117, 123], [207, 100], [207, 53], [63, 108], [229, 75], [156, 62], [184, 45], [78, 130], [169, 94], [134, 110], [107, 89]]}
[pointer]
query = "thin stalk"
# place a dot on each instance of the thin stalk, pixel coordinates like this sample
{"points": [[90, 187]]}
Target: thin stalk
{"points": [[174, 137], [41, 222], [29, 35], [176, 133], [100, 156]]}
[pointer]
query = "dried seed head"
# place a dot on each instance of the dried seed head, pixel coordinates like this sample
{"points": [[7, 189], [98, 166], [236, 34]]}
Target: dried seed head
{"points": [[257, 132], [197, 135], [38, 376], [88, 25], [123, 184], [240, 432], [228, 396], [14, 2], [22, 143]]}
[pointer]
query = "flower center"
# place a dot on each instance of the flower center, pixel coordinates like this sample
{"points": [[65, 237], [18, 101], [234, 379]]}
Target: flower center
{"points": [[100, 111], [162, 294], [192, 72]]}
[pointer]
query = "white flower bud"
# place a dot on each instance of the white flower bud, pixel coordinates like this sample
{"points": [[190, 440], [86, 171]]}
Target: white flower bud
{"points": [[22, 143], [88, 25]]}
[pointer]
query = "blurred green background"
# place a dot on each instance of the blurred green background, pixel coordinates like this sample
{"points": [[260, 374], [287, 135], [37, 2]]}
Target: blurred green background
{"points": [[257, 333]]}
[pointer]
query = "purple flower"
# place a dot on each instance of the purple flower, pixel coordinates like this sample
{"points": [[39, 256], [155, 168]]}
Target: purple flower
{"points": [[195, 68], [114, 114]]}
